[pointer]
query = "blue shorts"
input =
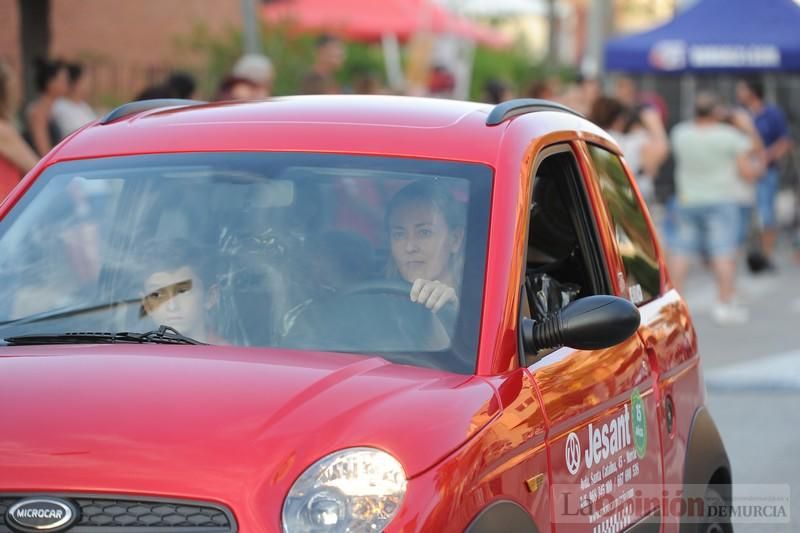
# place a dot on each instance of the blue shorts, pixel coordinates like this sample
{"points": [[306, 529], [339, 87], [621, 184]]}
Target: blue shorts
{"points": [[669, 224], [766, 191], [713, 229], [745, 216]]}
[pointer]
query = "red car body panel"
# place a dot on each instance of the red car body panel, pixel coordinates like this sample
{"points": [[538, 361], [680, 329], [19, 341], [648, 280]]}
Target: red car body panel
{"points": [[350, 125], [95, 381], [223, 424], [487, 469], [237, 426]]}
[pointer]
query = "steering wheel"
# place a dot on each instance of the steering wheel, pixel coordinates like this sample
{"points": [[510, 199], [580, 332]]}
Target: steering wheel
{"points": [[446, 316], [333, 320]]}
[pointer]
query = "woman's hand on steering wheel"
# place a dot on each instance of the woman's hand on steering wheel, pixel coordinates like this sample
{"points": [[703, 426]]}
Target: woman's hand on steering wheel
{"points": [[442, 298], [433, 294]]}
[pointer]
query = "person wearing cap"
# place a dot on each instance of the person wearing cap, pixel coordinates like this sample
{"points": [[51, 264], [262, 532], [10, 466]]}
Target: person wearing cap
{"points": [[233, 88], [257, 71]]}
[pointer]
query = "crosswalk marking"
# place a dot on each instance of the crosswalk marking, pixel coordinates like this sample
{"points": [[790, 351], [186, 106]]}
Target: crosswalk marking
{"points": [[774, 372]]}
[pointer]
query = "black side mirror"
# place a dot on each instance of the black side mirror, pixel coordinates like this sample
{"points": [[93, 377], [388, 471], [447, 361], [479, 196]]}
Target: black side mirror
{"points": [[589, 323]]}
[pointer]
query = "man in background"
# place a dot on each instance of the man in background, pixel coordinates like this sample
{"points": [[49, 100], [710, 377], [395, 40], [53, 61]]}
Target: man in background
{"points": [[772, 127], [328, 59], [710, 158]]}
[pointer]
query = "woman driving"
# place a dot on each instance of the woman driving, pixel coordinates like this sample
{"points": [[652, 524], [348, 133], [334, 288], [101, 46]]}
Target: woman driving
{"points": [[426, 233]]}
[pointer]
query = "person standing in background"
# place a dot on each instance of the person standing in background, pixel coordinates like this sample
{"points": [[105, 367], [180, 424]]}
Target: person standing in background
{"points": [[496, 91], [542, 89], [252, 78], [16, 157], [710, 158], [182, 85], [259, 71], [179, 84], [627, 91], [745, 189], [329, 57], [71, 112], [581, 94], [441, 82], [771, 125], [52, 82], [367, 81], [643, 140]]}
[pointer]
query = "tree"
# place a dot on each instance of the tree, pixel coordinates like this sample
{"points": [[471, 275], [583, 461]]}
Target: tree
{"points": [[34, 39]]}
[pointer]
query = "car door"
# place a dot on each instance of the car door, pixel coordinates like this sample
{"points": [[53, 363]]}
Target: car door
{"points": [[666, 328], [604, 451]]}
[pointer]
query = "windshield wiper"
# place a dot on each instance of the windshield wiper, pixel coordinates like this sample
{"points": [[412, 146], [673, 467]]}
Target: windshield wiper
{"points": [[163, 335], [68, 312]]}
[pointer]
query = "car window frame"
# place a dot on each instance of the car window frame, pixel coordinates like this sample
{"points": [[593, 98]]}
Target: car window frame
{"points": [[604, 212], [589, 236], [480, 176]]}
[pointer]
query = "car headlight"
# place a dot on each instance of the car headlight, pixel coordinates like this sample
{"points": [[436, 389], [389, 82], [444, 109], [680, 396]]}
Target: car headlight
{"points": [[354, 490]]}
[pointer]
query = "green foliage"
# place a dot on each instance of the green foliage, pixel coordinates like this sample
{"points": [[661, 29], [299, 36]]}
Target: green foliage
{"points": [[218, 52], [515, 66], [362, 59], [291, 53]]}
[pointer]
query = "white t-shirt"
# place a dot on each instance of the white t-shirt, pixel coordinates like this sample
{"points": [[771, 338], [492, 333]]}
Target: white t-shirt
{"points": [[70, 115], [705, 163], [632, 144]]}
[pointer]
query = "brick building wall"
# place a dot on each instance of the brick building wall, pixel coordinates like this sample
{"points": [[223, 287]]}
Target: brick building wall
{"points": [[126, 44]]}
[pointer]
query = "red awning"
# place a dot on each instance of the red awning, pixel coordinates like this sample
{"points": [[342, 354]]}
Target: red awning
{"points": [[369, 20]]}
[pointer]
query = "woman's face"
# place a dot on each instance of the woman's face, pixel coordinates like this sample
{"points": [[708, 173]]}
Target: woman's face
{"points": [[422, 244]]}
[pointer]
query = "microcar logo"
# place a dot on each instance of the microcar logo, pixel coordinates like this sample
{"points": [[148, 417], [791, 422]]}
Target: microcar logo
{"points": [[572, 453], [41, 514]]}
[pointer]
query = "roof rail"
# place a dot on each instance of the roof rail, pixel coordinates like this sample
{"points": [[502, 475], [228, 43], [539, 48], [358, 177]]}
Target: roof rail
{"points": [[512, 108], [131, 108]]}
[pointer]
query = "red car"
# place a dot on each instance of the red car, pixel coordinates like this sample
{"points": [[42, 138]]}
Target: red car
{"points": [[345, 314]]}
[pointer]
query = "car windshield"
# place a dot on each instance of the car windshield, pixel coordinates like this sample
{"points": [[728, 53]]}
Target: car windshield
{"points": [[306, 251]]}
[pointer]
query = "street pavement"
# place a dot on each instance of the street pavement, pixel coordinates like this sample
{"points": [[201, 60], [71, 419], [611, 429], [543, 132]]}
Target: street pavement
{"points": [[752, 374]]}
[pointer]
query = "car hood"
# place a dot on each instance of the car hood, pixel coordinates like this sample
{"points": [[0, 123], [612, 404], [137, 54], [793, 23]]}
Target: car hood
{"points": [[210, 420]]}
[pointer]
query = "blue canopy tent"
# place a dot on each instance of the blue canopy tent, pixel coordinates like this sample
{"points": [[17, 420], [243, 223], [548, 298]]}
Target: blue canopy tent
{"points": [[715, 36]]}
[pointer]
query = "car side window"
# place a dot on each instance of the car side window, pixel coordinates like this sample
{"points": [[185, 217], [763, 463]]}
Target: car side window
{"points": [[631, 231], [563, 258]]}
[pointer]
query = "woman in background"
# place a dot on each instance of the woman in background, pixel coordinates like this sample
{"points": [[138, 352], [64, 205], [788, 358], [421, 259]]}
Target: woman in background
{"points": [[52, 82], [71, 111], [641, 137]]}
